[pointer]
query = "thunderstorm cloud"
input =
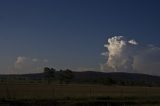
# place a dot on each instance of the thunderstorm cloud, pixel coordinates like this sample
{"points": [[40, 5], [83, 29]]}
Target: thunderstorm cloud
{"points": [[128, 55]]}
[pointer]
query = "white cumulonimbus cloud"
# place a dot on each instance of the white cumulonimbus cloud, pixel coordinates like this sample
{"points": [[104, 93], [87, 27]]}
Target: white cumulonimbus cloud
{"points": [[125, 55], [29, 65]]}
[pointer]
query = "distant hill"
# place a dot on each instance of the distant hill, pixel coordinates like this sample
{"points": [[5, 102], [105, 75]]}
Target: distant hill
{"points": [[119, 78], [93, 77]]}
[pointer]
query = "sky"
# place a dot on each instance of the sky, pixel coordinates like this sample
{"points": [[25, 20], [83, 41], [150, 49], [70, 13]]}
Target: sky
{"points": [[71, 33]]}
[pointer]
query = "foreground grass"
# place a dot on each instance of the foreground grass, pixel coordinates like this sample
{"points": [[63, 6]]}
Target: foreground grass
{"points": [[80, 95], [91, 101]]}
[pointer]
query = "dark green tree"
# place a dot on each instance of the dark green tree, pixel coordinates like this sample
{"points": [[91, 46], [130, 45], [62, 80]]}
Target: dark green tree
{"points": [[66, 76], [61, 77], [108, 81], [49, 74]]}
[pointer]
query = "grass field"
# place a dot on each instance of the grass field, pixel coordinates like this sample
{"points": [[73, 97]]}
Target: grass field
{"points": [[73, 92]]}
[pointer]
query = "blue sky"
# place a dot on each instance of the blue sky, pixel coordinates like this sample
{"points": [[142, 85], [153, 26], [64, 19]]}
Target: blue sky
{"points": [[71, 33]]}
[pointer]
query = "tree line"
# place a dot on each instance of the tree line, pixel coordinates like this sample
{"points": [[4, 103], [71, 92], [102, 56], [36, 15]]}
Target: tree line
{"points": [[66, 77], [63, 76]]}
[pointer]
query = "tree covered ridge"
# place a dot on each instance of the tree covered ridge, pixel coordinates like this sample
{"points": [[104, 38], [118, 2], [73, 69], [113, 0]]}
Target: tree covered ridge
{"points": [[67, 76]]}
